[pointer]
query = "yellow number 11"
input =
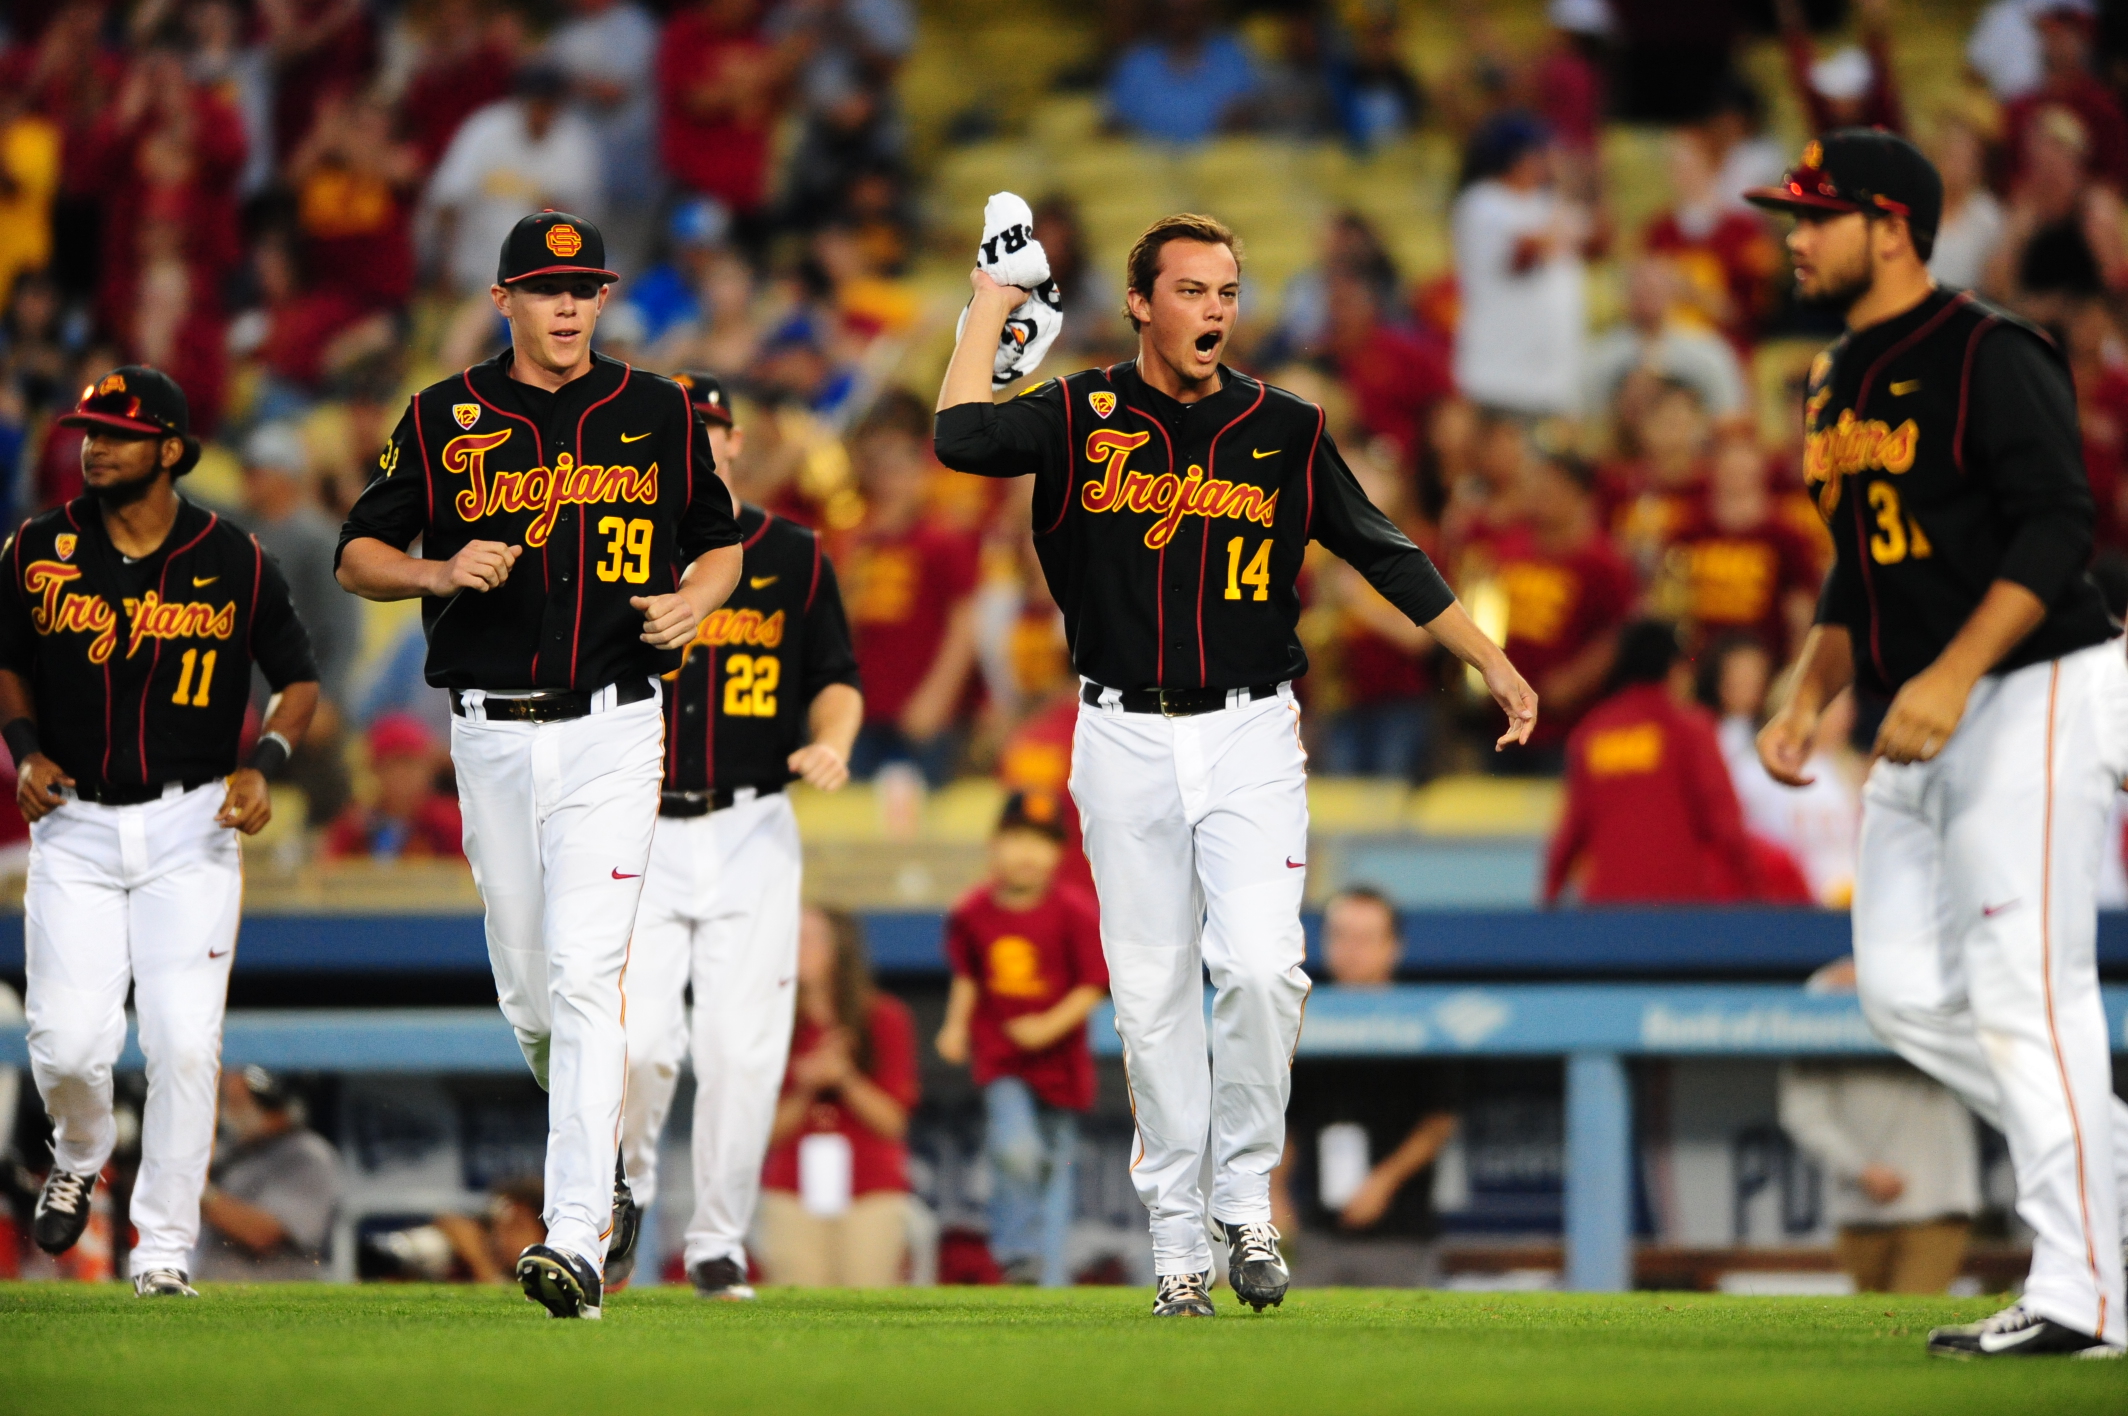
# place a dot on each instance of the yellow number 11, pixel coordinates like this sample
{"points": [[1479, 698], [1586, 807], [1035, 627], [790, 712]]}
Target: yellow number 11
{"points": [[1258, 574], [184, 678]]}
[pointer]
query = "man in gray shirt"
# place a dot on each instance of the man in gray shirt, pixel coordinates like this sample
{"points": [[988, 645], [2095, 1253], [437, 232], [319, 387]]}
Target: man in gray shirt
{"points": [[268, 1208], [281, 511]]}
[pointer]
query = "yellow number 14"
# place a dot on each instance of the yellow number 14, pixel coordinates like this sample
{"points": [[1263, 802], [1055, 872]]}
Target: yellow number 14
{"points": [[1258, 573]]}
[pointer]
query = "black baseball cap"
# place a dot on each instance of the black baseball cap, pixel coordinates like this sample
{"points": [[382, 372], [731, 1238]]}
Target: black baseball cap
{"points": [[553, 243], [1036, 811], [1865, 170], [706, 392], [141, 402]]}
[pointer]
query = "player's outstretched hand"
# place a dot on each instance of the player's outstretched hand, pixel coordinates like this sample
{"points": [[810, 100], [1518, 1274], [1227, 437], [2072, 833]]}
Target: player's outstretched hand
{"points": [[1923, 715], [1784, 745], [820, 765], [479, 565], [37, 786], [1515, 697], [669, 621], [249, 805]]}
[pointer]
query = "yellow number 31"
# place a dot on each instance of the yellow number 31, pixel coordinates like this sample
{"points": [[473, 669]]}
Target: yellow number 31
{"points": [[628, 553], [1897, 536]]}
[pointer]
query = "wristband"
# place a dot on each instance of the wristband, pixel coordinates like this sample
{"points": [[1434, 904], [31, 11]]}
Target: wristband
{"points": [[21, 737], [269, 755]]}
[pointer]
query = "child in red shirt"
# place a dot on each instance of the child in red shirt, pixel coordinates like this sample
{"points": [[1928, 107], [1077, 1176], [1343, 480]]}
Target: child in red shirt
{"points": [[1027, 969]]}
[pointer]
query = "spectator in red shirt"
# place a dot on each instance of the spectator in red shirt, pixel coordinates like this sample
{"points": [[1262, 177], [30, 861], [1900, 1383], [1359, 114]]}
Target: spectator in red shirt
{"points": [[1381, 721], [1027, 969], [1395, 377], [910, 587], [722, 86], [468, 62], [2102, 410], [1725, 255], [354, 191], [2066, 32], [1568, 592], [1743, 568], [410, 819], [321, 49], [834, 1202], [1851, 87], [1650, 497], [1651, 815]]}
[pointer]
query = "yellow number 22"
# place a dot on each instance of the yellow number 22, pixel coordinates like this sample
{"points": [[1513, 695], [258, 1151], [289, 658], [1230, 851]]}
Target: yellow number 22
{"points": [[750, 685]]}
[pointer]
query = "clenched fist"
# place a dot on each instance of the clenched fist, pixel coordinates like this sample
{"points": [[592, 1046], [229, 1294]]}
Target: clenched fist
{"points": [[479, 565], [669, 621]]}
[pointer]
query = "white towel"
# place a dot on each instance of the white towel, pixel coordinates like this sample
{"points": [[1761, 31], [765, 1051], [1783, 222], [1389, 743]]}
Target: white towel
{"points": [[1010, 255]]}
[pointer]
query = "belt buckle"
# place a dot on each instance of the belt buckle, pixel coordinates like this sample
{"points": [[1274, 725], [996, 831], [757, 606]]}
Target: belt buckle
{"points": [[1165, 711]]}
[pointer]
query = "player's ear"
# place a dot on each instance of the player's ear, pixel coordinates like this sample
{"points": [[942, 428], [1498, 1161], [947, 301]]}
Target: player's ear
{"points": [[500, 295], [172, 450]]}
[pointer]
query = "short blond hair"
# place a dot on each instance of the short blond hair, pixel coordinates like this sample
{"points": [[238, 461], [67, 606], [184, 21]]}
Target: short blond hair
{"points": [[1142, 267]]}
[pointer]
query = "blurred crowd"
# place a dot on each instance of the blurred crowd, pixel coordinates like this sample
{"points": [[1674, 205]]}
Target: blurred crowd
{"points": [[294, 207]]}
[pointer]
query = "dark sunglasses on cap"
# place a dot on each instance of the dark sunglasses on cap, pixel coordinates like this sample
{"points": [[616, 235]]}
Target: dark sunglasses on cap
{"points": [[548, 287]]}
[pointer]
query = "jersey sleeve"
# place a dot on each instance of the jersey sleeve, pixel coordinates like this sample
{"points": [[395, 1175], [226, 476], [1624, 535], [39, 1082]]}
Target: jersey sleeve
{"points": [[709, 520], [2024, 437], [280, 645], [394, 507], [828, 655], [18, 642], [1355, 529], [1011, 439]]}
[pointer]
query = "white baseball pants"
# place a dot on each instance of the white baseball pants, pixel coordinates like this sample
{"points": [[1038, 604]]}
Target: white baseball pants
{"points": [[720, 908], [146, 896], [558, 819], [1976, 928], [1197, 830]]}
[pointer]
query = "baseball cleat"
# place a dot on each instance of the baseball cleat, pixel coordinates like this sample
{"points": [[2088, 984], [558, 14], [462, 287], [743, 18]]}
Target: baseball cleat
{"points": [[1256, 1271], [62, 1210], [565, 1284], [627, 1229], [723, 1279], [163, 1283], [2016, 1332], [1183, 1295]]}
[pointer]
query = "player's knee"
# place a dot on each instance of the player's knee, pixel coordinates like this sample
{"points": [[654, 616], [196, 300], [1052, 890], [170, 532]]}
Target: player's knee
{"points": [[69, 1059]]}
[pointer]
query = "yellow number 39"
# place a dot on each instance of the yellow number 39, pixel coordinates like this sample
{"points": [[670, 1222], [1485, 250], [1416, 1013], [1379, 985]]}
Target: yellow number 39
{"points": [[628, 553]]}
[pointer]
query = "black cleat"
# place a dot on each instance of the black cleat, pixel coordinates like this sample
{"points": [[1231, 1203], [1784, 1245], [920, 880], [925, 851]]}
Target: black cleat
{"points": [[1183, 1295], [566, 1285], [62, 1210], [627, 1229], [163, 1283], [722, 1279], [2015, 1332], [1256, 1271]]}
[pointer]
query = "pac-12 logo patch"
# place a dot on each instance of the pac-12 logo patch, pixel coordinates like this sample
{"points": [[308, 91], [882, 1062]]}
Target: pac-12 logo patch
{"points": [[1103, 403], [564, 240], [63, 545], [467, 414]]}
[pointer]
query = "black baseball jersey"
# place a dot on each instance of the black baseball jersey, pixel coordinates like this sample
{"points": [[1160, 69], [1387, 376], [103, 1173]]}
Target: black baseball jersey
{"points": [[1943, 449], [1172, 534], [141, 669], [607, 483], [736, 707]]}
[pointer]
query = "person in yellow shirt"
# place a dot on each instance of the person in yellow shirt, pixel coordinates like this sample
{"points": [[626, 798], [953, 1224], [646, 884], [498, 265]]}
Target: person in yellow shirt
{"points": [[29, 177]]}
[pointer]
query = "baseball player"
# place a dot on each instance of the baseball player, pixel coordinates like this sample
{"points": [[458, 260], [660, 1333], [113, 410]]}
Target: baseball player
{"points": [[1943, 449], [1173, 501], [765, 693], [129, 622], [573, 535]]}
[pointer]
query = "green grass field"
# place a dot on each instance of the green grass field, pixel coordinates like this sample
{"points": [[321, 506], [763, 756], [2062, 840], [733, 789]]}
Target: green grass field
{"points": [[386, 1350]]}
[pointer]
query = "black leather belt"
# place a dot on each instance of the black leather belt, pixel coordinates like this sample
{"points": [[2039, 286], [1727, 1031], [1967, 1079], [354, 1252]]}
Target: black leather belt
{"points": [[555, 705], [133, 794], [703, 803], [1174, 702]]}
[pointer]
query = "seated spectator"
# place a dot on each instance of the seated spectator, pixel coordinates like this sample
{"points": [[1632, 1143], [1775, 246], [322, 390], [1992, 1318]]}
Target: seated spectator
{"points": [[1025, 950], [1184, 84], [1726, 259], [268, 1208], [722, 87], [281, 510], [1653, 494], [301, 334], [910, 588], [1973, 220], [1568, 592], [1901, 1157], [1349, 243], [1092, 297], [2067, 31], [410, 819], [1744, 568], [1651, 817], [1652, 340], [834, 1199], [670, 293], [1395, 377], [1519, 246], [1293, 95], [521, 154], [1852, 87], [1378, 98], [1353, 1192], [458, 1248]]}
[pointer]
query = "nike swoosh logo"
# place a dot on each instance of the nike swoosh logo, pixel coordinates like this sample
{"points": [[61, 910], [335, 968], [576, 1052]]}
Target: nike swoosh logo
{"points": [[2004, 1341], [618, 875], [637, 438], [1292, 864], [762, 582], [223, 955], [1905, 386], [1262, 452], [1990, 911], [199, 580]]}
